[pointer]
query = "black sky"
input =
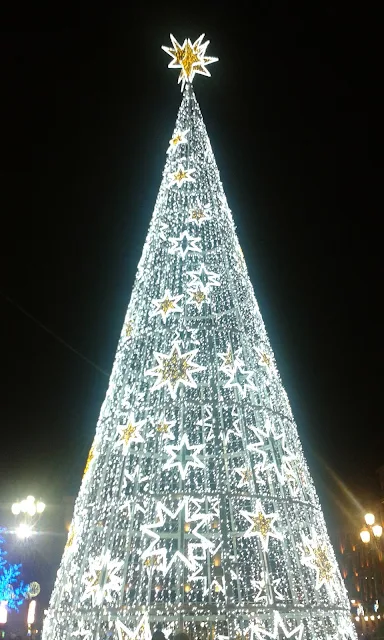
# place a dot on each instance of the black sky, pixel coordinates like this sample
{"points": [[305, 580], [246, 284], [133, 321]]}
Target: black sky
{"points": [[292, 110]]}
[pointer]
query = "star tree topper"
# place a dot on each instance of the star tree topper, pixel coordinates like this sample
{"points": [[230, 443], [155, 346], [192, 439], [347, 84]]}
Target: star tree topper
{"points": [[189, 58]]}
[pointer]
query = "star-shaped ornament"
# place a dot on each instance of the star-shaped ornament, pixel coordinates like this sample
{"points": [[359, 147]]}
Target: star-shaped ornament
{"points": [[174, 369], [198, 296], [166, 305], [189, 58], [245, 475], [101, 579], [185, 336], [265, 359], [199, 214], [203, 277], [129, 433], [184, 456], [158, 531], [163, 427], [316, 556], [274, 452], [180, 176], [262, 525], [178, 138], [267, 589], [184, 244], [241, 380], [230, 360]]}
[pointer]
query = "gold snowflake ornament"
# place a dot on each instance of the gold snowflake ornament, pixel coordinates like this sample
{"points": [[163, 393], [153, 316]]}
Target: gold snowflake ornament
{"points": [[189, 58]]}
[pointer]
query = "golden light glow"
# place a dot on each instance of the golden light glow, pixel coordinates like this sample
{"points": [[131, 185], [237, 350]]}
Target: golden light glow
{"points": [[365, 536], [167, 304], [323, 563], [199, 296], [163, 427], [91, 456], [189, 58], [128, 432], [377, 530], [261, 524], [180, 175], [198, 214], [128, 329], [369, 519]]}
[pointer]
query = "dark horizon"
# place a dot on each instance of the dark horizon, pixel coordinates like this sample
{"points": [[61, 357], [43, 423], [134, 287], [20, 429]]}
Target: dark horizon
{"points": [[292, 116]]}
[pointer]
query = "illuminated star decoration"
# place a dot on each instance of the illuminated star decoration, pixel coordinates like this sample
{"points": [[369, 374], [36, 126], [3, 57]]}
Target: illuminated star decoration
{"points": [[180, 176], [263, 595], [230, 360], [166, 305], [265, 360], [316, 556], [101, 579], [189, 58], [133, 476], [203, 278], [262, 525], [245, 476], [174, 369], [241, 380], [199, 214], [161, 524], [179, 137], [141, 632], [198, 296], [163, 427], [183, 244], [274, 452], [129, 433], [184, 456]]}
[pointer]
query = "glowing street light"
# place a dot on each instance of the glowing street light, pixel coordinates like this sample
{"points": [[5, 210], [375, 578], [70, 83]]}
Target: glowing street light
{"points": [[369, 519], [365, 536], [24, 531], [377, 530]]}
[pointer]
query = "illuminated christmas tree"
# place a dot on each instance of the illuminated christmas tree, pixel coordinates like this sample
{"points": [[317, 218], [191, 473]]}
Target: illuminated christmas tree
{"points": [[197, 509]]}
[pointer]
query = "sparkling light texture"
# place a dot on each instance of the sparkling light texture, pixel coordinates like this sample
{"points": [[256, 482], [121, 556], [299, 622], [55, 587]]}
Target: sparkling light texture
{"points": [[206, 517]]}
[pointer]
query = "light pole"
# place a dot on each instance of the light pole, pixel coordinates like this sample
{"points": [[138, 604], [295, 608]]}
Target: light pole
{"points": [[371, 535]]}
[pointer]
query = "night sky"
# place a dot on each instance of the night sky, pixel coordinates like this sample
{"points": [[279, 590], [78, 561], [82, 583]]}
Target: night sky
{"points": [[88, 106]]}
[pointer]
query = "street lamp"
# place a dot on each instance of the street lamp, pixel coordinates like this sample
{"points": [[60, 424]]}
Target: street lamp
{"points": [[365, 536], [377, 529], [24, 531]]}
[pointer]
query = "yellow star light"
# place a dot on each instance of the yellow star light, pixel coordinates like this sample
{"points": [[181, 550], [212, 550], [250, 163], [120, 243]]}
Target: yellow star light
{"points": [[128, 432], [189, 58], [174, 369]]}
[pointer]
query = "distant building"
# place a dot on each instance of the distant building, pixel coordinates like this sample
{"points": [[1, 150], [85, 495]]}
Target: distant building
{"points": [[362, 567]]}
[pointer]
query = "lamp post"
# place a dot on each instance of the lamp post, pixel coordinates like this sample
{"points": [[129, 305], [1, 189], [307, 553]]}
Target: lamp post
{"points": [[371, 535]]}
